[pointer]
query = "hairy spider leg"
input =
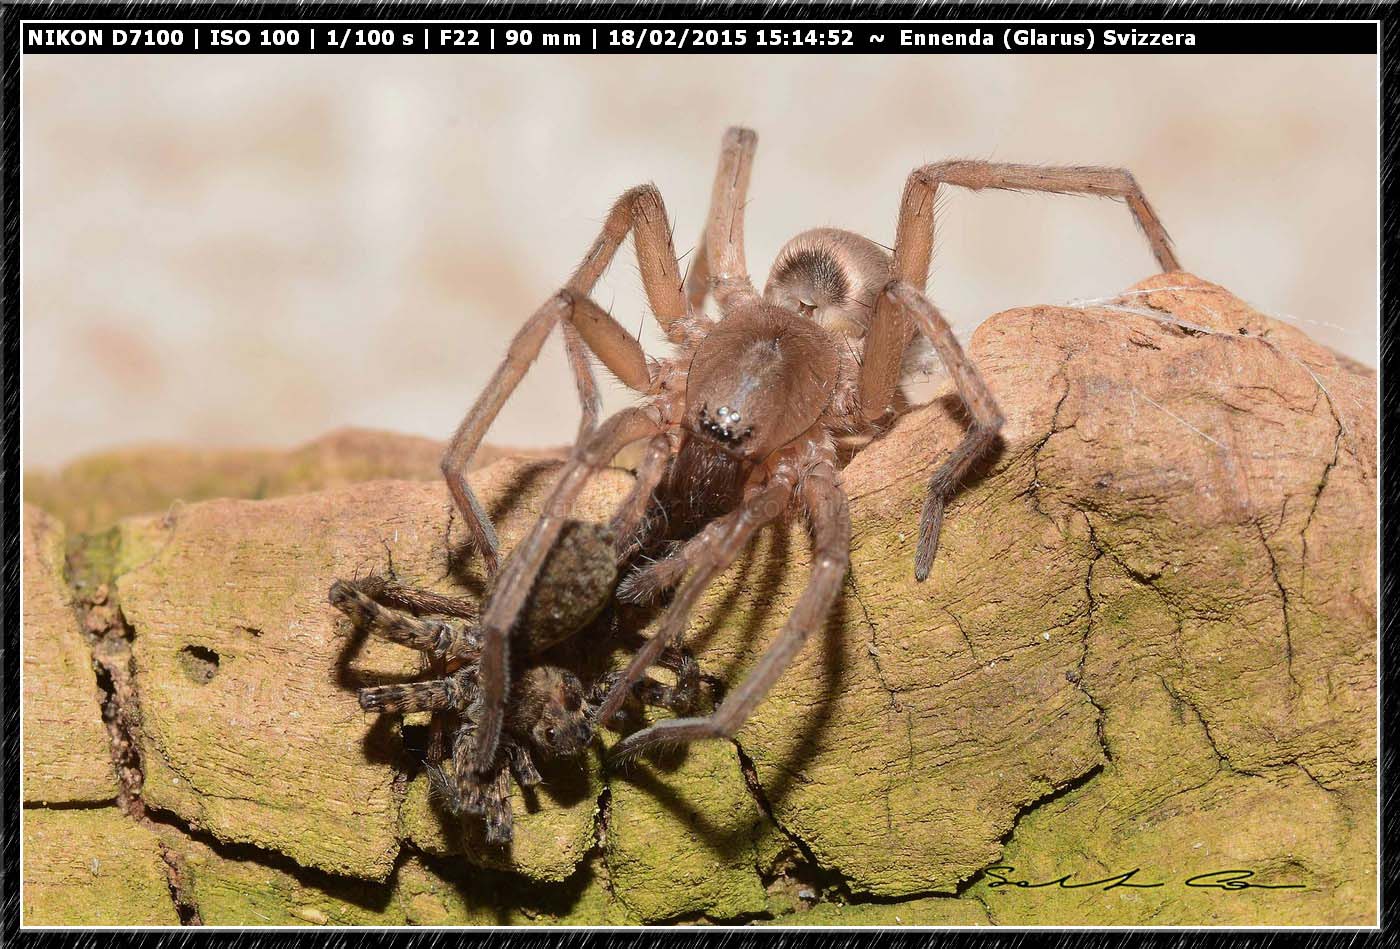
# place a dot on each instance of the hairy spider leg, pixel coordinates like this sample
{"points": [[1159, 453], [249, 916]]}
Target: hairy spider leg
{"points": [[914, 237], [829, 518], [640, 212], [440, 639], [645, 584], [629, 522], [762, 506], [981, 434], [455, 692], [896, 319], [522, 765], [724, 265]]}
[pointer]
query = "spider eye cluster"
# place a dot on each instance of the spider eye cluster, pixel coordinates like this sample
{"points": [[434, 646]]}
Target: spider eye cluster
{"points": [[725, 424]]}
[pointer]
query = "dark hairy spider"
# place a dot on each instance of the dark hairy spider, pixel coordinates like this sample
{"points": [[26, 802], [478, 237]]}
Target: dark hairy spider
{"points": [[552, 712], [741, 422]]}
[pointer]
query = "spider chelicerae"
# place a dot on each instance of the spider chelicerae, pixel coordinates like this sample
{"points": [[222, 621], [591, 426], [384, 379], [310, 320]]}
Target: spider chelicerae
{"points": [[740, 425]]}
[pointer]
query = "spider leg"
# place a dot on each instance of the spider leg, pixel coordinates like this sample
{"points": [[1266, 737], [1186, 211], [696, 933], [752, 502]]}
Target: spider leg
{"points": [[760, 507], [576, 351], [890, 332], [981, 434], [442, 787], [454, 692], [679, 697], [466, 787], [641, 212], [629, 521], [724, 264], [830, 519], [522, 766], [727, 197], [495, 799], [697, 278], [441, 639], [520, 572], [418, 601], [467, 792], [644, 584]]}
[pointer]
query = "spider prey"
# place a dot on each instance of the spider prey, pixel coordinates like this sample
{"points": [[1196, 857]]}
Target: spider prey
{"points": [[552, 712], [739, 424]]}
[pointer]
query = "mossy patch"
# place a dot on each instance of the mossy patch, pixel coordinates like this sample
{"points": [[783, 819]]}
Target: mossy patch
{"points": [[92, 867], [684, 837], [248, 889]]}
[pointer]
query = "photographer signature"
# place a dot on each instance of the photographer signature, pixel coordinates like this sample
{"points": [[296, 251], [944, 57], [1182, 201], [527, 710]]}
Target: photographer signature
{"points": [[1215, 880]]}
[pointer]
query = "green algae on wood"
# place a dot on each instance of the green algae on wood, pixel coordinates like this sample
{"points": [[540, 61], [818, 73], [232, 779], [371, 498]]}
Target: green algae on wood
{"points": [[251, 889], [684, 837], [453, 893], [931, 911], [92, 867]]}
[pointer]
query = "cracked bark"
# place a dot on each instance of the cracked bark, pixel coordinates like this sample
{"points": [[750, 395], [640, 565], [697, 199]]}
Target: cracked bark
{"points": [[1283, 606], [1078, 678]]}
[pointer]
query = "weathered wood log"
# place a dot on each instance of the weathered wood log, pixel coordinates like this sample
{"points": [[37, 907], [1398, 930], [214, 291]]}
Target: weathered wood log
{"points": [[1148, 641]]}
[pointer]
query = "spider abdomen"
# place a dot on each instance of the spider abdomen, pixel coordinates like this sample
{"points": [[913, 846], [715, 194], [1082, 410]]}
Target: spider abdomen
{"points": [[831, 276], [575, 583]]}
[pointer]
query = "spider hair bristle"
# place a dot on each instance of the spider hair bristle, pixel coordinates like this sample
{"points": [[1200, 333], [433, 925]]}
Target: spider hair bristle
{"points": [[645, 584], [623, 759], [442, 788]]}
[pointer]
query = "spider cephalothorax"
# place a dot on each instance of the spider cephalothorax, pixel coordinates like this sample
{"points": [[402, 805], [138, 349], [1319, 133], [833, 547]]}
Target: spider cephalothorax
{"points": [[740, 423], [758, 380], [552, 709]]}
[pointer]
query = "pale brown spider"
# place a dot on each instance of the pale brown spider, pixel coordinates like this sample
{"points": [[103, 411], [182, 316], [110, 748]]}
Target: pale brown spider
{"points": [[740, 421]]}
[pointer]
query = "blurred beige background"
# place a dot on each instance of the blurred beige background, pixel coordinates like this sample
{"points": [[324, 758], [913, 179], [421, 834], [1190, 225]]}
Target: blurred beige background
{"points": [[254, 250]]}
